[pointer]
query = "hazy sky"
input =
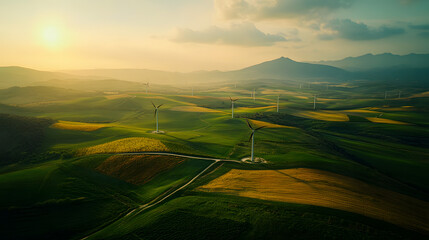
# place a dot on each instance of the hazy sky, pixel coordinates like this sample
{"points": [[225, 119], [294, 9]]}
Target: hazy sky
{"points": [[190, 35]]}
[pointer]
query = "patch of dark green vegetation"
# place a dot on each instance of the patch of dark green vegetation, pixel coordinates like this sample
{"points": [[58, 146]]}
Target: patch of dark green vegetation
{"points": [[21, 137], [213, 216]]}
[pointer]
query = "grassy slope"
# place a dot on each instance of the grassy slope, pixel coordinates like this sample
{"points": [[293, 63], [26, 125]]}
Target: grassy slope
{"points": [[315, 144], [40, 195], [215, 216]]}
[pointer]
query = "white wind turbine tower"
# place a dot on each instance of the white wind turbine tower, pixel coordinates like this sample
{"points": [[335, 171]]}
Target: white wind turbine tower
{"points": [[232, 106], [314, 101], [252, 138], [399, 94], [254, 94], [278, 99], [385, 95], [147, 86], [156, 115]]}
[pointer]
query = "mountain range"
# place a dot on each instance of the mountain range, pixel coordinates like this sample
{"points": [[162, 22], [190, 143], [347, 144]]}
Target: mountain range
{"points": [[381, 61], [371, 67]]}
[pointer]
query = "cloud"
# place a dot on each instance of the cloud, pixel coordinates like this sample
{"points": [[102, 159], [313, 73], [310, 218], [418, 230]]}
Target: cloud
{"points": [[419, 26], [407, 2], [266, 9], [424, 34], [244, 34], [347, 29]]}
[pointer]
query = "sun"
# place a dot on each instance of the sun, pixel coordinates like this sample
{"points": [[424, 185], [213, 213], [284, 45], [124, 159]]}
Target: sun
{"points": [[51, 36]]}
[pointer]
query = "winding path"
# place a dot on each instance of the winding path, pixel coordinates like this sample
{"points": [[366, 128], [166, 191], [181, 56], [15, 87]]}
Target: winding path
{"points": [[179, 155], [149, 205]]}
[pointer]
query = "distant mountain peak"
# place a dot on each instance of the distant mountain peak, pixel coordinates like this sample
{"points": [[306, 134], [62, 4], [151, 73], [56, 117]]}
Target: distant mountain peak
{"points": [[283, 59]]}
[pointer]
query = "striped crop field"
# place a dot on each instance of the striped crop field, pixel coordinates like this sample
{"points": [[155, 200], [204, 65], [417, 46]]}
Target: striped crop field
{"points": [[137, 169], [322, 188]]}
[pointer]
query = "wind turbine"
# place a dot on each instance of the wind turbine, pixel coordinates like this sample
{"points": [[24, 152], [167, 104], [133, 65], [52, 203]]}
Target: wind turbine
{"points": [[254, 94], [399, 94], [314, 101], [385, 95], [147, 86], [156, 115], [252, 137], [278, 99], [232, 106]]}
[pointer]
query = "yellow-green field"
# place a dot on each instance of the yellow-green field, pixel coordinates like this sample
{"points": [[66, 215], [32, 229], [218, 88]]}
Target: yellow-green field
{"points": [[258, 123], [194, 109], [252, 109], [324, 115], [321, 188], [78, 126], [134, 144], [419, 95], [359, 111], [116, 96], [384, 120]]}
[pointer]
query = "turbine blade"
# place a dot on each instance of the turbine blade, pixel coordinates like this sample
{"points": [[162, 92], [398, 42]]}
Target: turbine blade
{"points": [[153, 104], [230, 98], [259, 128], [160, 105], [248, 124], [251, 135], [154, 113]]}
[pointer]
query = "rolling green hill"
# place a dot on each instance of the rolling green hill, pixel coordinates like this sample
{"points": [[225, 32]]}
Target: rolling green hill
{"points": [[354, 134], [19, 76], [25, 95]]}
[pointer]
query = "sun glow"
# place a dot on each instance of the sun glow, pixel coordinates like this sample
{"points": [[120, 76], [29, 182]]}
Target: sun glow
{"points": [[51, 36]]}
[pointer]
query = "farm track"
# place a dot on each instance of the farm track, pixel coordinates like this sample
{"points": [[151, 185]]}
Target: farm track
{"points": [[161, 198], [180, 155]]}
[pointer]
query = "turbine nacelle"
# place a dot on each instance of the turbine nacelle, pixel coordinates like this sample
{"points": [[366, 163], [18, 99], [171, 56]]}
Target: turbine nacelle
{"points": [[253, 128], [233, 99], [156, 108]]}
